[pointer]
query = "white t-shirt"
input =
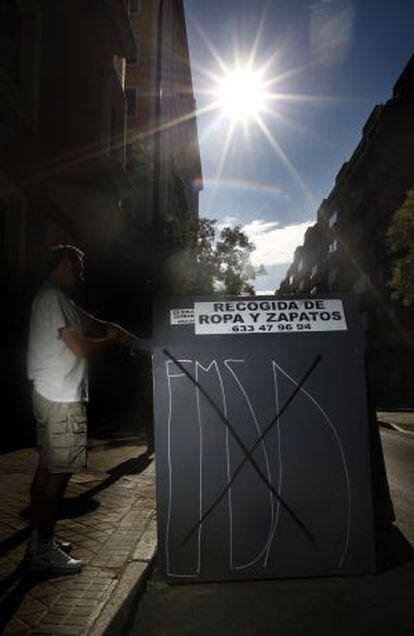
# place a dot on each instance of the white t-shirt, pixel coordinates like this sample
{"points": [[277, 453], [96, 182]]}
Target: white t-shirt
{"points": [[58, 375]]}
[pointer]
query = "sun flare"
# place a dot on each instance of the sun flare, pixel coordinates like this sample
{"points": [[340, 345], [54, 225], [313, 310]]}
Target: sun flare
{"points": [[241, 94], [245, 96]]}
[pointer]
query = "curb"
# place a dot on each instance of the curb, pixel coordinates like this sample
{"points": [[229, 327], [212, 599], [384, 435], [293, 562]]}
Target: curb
{"points": [[118, 611], [394, 427]]}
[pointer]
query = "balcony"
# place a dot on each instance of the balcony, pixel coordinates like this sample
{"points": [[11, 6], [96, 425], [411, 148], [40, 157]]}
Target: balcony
{"points": [[119, 68]]}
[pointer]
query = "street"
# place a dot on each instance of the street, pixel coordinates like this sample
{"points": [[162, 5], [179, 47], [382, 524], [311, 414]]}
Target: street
{"points": [[399, 458], [357, 605]]}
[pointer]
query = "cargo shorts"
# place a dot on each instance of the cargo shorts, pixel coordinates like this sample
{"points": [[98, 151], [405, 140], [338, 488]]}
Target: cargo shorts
{"points": [[61, 434]]}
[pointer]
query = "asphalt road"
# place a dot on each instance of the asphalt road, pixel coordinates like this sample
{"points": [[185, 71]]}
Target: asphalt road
{"points": [[399, 460], [380, 605]]}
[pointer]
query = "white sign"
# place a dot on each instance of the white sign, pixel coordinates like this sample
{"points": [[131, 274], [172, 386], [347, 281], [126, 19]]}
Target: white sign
{"points": [[182, 316], [269, 316]]}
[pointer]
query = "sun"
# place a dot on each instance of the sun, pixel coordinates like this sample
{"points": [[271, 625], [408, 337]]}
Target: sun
{"points": [[244, 95], [241, 94]]}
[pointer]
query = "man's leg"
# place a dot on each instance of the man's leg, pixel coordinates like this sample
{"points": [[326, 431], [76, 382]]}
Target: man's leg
{"points": [[36, 490], [61, 437], [43, 553], [47, 492]]}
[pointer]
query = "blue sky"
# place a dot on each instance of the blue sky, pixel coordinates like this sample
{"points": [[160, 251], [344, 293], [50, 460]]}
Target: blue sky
{"points": [[341, 56]]}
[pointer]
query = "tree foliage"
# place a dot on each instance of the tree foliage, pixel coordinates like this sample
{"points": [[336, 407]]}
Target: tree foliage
{"points": [[205, 263], [400, 238], [196, 260], [234, 270], [139, 160]]}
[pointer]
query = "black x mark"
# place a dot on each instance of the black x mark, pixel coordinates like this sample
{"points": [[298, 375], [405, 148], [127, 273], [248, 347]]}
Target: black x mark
{"points": [[247, 452]]}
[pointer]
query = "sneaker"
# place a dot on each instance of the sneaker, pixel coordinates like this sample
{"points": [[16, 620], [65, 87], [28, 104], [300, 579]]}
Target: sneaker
{"points": [[66, 546], [49, 558]]}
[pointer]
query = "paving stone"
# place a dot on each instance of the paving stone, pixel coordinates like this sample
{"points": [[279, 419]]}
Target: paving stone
{"points": [[58, 610], [16, 626], [107, 537], [70, 630], [29, 605], [84, 602], [76, 619], [53, 619], [33, 619], [84, 611]]}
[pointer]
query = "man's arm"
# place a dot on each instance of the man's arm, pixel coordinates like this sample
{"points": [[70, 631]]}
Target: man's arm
{"points": [[82, 346], [97, 329], [91, 326]]}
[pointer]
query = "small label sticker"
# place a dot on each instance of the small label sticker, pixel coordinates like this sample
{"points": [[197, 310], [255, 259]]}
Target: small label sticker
{"points": [[182, 317]]}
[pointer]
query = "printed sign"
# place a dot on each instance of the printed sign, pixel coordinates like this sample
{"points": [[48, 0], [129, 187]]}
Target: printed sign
{"points": [[269, 316], [182, 316]]}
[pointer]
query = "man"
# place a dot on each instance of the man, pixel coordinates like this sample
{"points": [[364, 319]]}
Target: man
{"points": [[61, 336]]}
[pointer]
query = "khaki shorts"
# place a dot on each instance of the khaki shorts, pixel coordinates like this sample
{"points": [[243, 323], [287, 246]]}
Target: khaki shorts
{"points": [[61, 434]]}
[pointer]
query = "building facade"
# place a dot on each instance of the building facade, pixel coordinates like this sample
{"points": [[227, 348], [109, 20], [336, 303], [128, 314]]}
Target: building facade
{"points": [[91, 154], [62, 136], [162, 129], [62, 153], [346, 250]]}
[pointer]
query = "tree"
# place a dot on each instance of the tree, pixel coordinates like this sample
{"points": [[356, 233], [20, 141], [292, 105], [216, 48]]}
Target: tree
{"points": [[192, 260], [201, 264], [234, 269], [400, 239]]}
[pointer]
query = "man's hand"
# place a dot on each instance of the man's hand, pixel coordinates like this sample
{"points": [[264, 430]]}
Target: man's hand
{"points": [[119, 334], [82, 346]]}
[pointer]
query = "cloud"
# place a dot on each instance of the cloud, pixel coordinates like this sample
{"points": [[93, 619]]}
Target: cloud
{"points": [[227, 221], [275, 245], [331, 31], [265, 292]]}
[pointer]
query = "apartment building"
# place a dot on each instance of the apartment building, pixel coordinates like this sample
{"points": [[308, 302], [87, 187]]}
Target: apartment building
{"points": [[62, 137], [62, 148], [162, 118], [346, 250]]}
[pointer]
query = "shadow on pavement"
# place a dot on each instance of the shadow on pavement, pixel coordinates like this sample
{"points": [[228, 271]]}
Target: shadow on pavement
{"points": [[19, 582], [13, 541], [393, 549], [83, 504]]}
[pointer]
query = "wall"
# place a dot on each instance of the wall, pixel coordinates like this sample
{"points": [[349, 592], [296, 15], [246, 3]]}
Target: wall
{"points": [[350, 251]]}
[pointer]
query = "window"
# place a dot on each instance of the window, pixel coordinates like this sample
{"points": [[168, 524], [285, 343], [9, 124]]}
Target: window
{"points": [[332, 276], [333, 246], [314, 290], [301, 285], [333, 219], [300, 265], [134, 61], [19, 59], [131, 95], [10, 39], [360, 285], [291, 280], [314, 271], [134, 7]]}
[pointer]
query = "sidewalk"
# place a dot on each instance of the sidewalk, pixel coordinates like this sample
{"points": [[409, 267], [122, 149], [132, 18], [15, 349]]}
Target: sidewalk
{"points": [[402, 421], [108, 515]]}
